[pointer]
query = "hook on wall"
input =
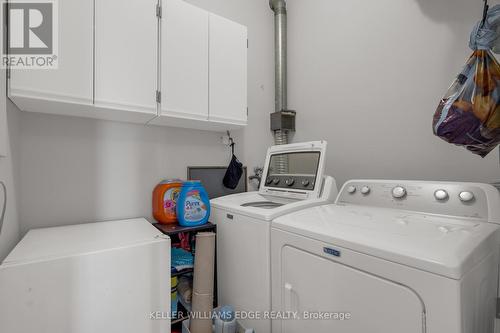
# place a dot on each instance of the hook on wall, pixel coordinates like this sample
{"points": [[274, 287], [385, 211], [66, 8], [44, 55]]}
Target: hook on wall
{"points": [[231, 142]]}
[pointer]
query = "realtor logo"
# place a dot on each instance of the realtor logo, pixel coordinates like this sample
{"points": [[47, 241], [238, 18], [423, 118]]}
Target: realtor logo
{"points": [[29, 38]]}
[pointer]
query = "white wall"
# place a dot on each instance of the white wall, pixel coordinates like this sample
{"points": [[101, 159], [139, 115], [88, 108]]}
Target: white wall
{"points": [[368, 75], [77, 170], [80, 170], [9, 235]]}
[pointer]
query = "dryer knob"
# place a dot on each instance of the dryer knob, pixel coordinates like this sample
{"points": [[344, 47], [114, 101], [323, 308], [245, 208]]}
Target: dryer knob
{"points": [[290, 181], [276, 181], [305, 182], [441, 195], [466, 196], [399, 192], [269, 181], [351, 189]]}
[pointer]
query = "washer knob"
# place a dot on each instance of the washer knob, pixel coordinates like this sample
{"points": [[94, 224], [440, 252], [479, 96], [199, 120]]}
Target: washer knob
{"points": [[441, 195], [290, 181], [276, 181], [365, 190], [305, 182], [351, 189], [399, 192], [269, 180], [466, 196]]}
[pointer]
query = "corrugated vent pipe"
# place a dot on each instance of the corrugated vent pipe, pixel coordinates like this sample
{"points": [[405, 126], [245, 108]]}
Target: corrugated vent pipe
{"points": [[282, 120]]}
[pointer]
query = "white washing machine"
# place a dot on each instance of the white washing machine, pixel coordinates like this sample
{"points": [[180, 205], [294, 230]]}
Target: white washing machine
{"points": [[292, 180], [390, 257]]}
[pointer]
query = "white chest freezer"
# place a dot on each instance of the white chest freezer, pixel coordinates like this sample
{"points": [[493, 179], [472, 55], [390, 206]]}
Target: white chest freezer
{"points": [[111, 277]]}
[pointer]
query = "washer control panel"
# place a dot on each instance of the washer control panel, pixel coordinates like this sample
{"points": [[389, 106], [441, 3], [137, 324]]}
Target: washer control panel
{"points": [[446, 198], [301, 182]]}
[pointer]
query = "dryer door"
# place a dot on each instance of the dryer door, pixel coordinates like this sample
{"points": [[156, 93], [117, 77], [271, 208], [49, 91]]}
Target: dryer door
{"points": [[315, 286]]}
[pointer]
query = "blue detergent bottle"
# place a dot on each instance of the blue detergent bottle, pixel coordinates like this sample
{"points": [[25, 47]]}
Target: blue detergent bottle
{"points": [[193, 205]]}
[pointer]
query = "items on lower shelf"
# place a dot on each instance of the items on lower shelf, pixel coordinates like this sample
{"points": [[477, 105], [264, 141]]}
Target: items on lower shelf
{"points": [[185, 291], [182, 260]]}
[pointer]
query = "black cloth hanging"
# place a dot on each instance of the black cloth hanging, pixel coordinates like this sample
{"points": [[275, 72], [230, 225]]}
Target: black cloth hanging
{"points": [[233, 172]]}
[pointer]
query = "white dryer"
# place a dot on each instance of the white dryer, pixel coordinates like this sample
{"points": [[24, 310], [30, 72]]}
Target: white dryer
{"points": [[390, 257], [292, 180]]}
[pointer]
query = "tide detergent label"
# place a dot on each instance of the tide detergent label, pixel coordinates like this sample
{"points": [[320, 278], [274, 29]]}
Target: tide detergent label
{"points": [[170, 200], [194, 207]]}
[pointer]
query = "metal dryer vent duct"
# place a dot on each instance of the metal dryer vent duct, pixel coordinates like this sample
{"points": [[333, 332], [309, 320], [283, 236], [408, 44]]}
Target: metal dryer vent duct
{"points": [[280, 53], [282, 120]]}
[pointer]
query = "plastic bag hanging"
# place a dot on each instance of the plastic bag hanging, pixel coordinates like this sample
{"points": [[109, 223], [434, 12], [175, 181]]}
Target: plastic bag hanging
{"points": [[234, 170], [469, 114]]}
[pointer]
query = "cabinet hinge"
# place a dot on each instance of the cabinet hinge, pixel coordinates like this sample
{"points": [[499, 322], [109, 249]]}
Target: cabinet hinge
{"points": [[7, 72], [247, 111], [158, 96], [247, 43], [158, 11]]}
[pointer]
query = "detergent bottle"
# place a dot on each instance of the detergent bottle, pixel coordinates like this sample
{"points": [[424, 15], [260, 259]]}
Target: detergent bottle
{"points": [[193, 205], [165, 197]]}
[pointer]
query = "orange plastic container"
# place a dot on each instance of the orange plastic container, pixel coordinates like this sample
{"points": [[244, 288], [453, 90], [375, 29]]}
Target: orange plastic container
{"points": [[165, 197]]}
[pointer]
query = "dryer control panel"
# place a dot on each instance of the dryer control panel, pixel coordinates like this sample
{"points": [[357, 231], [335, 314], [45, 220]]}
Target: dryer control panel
{"points": [[468, 200]]}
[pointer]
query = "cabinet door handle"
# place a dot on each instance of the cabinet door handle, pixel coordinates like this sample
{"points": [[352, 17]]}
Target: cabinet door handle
{"points": [[229, 216]]}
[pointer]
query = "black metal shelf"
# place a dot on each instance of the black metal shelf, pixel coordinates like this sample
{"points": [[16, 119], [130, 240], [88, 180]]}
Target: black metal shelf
{"points": [[184, 271], [179, 320], [173, 229]]}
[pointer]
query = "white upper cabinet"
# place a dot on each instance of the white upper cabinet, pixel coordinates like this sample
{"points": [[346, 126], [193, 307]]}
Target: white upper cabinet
{"points": [[126, 38], [163, 62], [228, 71], [72, 81], [184, 60]]}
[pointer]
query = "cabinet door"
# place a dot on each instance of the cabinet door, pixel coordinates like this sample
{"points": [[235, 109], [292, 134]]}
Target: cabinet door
{"points": [[126, 38], [228, 71], [72, 81], [184, 65]]}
